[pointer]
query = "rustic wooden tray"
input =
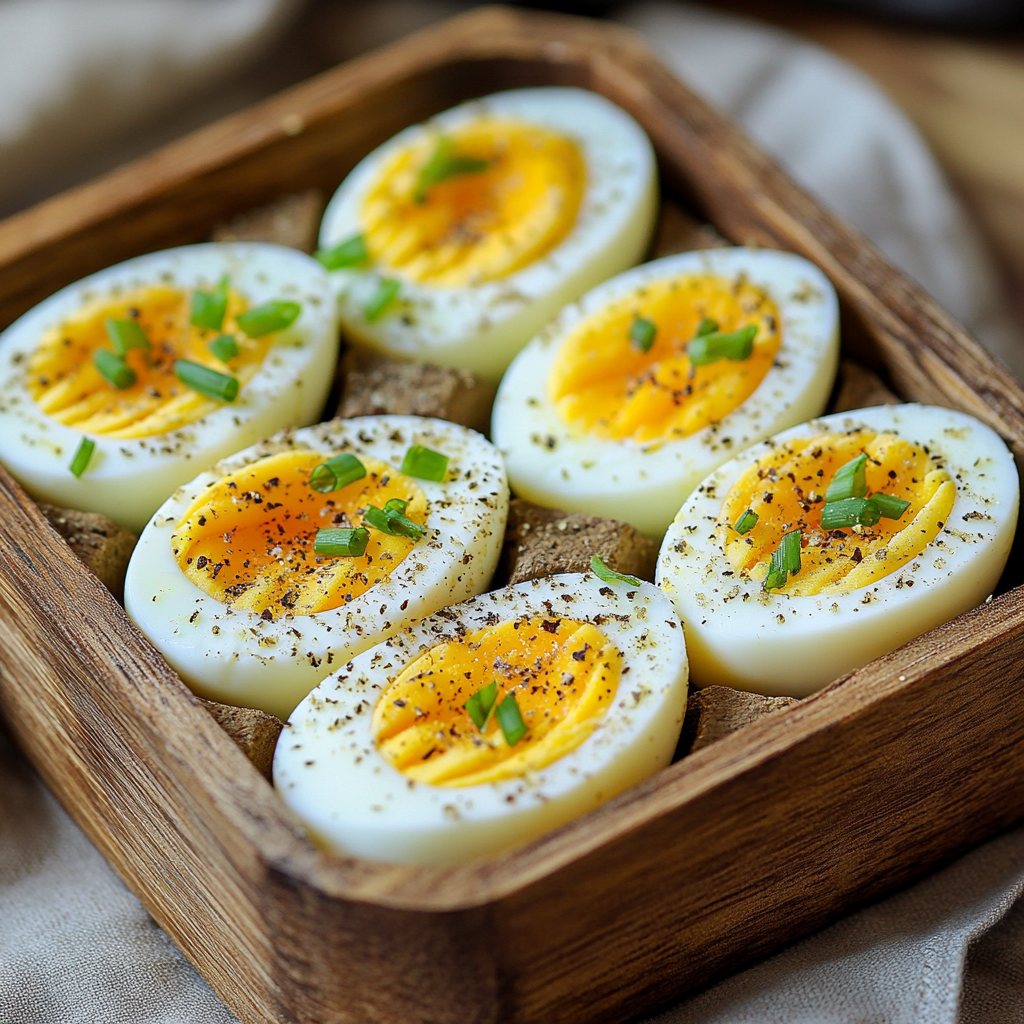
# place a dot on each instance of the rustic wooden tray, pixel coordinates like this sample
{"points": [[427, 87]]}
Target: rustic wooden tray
{"points": [[721, 858]]}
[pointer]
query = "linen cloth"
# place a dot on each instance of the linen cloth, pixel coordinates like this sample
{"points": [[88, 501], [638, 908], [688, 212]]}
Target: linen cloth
{"points": [[76, 946]]}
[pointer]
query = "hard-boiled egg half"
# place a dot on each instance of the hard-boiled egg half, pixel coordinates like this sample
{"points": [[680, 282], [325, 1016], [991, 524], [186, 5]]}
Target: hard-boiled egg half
{"points": [[267, 572], [632, 395], [489, 723], [458, 239], [117, 389], [814, 552]]}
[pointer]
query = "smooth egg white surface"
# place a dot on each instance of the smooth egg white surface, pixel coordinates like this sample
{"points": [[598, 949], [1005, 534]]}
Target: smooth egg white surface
{"points": [[238, 657], [481, 326], [330, 773], [782, 644], [554, 464], [127, 479]]}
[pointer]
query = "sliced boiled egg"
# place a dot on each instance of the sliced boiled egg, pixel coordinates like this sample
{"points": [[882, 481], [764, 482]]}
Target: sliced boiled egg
{"points": [[489, 723], [813, 552], [458, 239], [117, 389], [632, 395], [267, 572]]}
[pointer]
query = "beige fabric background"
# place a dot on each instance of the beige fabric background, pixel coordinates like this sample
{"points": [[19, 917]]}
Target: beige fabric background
{"points": [[82, 81]]}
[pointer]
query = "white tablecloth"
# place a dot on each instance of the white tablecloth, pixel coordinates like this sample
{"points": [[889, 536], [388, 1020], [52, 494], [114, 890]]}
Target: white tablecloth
{"points": [[75, 945]]}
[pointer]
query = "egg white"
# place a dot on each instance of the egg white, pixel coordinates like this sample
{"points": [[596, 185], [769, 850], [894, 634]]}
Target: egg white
{"points": [[481, 327], [328, 770], [235, 656], [127, 479], [553, 464], [780, 644]]}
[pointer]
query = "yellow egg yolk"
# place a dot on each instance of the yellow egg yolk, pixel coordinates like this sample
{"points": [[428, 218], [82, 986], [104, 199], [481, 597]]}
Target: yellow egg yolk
{"points": [[248, 539], [603, 384], [564, 675], [786, 489], [518, 202], [64, 381]]}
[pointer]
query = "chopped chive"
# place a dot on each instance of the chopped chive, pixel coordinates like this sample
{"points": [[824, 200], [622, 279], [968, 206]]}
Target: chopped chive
{"points": [[849, 480], [272, 316], [602, 572], [424, 463], [395, 505], [208, 308], [641, 333], [126, 335], [114, 369], [224, 347], [385, 294], [83, 455], [338, 542], [337, 472], [445, 163], [392, 521], [207, 382], [511, 720], [837, 515], [481, 705], [351, 253], [746, 522], [711, 347], [889, 506], [706, 326], [785, 560]]}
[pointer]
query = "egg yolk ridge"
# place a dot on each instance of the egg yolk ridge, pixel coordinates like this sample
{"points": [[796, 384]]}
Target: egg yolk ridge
{"points": [[469, 228], [602, 384], [786, 490], [247, 540], [64, 381], [564, 675]]}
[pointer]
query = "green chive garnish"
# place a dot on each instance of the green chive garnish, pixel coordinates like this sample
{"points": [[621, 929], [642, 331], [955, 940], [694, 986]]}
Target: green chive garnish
{"points": [[785, 561], [224, 347], [82, 456], [424, 463], [126, 335], [385, 294], [746, 522], [837, 515], [114, 369], [481, 705], [336, 473], [849, 481], [338, 542], [511, 721], [272, 316], [208, 308], [711, 347], [706, 326], [392, 520], [641, 333], [207, 382], [602, 572], [890, 507], [352, 253], [445, 163]]}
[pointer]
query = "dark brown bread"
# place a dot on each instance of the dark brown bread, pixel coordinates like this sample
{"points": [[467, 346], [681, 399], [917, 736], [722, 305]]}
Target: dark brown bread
{"points": [[860, 388], [255, 732], [679, 231], [375, 384], [716, 711], [292, 220], [544, 541]]}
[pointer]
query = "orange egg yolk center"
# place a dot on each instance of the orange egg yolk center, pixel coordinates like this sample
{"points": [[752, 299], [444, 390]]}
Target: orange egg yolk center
{"points": [[603, 384], [248, 539], [786, 490], [475, 205], [65, 383], [564, 675]]}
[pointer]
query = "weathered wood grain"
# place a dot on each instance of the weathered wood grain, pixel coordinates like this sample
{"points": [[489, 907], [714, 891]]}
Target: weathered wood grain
{"points": [[726, 855]]}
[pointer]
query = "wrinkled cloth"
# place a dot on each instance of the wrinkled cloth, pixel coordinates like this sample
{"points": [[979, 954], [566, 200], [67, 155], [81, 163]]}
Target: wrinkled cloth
{"points": [[76, 946]]}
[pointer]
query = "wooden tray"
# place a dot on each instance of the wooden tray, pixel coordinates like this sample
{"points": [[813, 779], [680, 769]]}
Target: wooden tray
{"points": [[719, 859]]}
